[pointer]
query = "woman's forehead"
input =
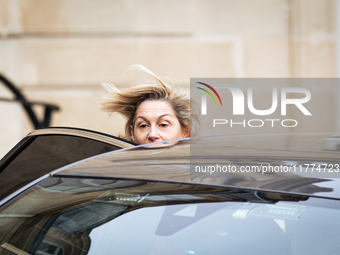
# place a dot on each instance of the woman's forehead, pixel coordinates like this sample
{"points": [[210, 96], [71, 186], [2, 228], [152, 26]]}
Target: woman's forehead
{"points": [[154, 109]]}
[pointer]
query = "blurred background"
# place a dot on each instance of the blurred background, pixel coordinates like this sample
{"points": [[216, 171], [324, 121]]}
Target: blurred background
{"points": [[60, 51]]}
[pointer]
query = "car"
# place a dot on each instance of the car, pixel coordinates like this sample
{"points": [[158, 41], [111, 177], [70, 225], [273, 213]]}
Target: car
{"points": [[74, 191]]}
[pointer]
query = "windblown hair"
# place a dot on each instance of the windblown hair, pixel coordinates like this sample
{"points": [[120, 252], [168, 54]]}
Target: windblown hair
{"points": [[126, 101]]}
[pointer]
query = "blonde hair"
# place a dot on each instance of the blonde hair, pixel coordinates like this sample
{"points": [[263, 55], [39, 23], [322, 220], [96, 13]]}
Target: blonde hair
{"points": [[126, 101]]}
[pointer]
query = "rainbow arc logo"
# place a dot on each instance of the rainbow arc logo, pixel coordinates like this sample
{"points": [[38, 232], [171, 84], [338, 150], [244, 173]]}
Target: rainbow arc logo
{"points": [[209, 93]]}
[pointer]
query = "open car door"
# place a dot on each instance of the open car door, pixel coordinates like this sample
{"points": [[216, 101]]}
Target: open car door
{"points": [[45, 150]]}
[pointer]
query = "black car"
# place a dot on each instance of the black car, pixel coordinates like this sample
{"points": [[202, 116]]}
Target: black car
{"points": [[72, 191]]}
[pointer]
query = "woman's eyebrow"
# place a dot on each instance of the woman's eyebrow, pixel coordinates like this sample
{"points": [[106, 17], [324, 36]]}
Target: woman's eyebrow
{"points": [[141, 117], [145, 119]]}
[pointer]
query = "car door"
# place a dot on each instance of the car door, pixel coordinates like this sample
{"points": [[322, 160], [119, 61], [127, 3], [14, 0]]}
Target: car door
{"points": [[46, 150]]}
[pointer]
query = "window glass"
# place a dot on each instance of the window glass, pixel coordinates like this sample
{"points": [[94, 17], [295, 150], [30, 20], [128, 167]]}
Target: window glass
{"points": [[45, 154], [94, 216]]}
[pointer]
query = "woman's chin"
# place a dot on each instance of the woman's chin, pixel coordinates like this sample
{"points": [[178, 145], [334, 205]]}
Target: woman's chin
{"points": [[160, 144]]}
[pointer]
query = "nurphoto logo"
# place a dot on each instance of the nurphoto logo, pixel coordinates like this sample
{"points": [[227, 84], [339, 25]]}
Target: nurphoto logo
{"points": [[280, 97], [204, 97]]}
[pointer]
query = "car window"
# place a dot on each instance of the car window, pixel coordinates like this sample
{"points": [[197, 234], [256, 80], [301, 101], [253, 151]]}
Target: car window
{"points": [[112, 216], [42, 154]]}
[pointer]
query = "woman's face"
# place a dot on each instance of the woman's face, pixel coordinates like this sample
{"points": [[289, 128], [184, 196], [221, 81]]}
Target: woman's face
{"points": [[156, 121]]}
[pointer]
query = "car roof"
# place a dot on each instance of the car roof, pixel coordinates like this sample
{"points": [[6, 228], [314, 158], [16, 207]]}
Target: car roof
{"points": [[177, 163]]}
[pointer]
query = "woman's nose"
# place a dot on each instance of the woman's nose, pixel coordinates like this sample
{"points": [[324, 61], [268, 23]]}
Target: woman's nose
{"points": [[153, 134]]}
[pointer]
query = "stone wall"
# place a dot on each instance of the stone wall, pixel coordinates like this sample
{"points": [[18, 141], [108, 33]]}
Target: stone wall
{"points": [[60, 51]]}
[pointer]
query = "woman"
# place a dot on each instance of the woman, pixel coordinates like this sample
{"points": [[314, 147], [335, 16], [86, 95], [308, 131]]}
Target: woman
{"points": [[154, 109]]}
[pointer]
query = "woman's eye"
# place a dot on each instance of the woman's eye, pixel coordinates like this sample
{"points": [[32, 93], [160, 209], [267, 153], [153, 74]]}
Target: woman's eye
{"points": [[164, 125], [143, 126]]}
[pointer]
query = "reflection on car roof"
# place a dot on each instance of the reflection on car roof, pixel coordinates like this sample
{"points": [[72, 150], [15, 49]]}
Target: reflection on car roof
{"points": [[177, 163]]}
